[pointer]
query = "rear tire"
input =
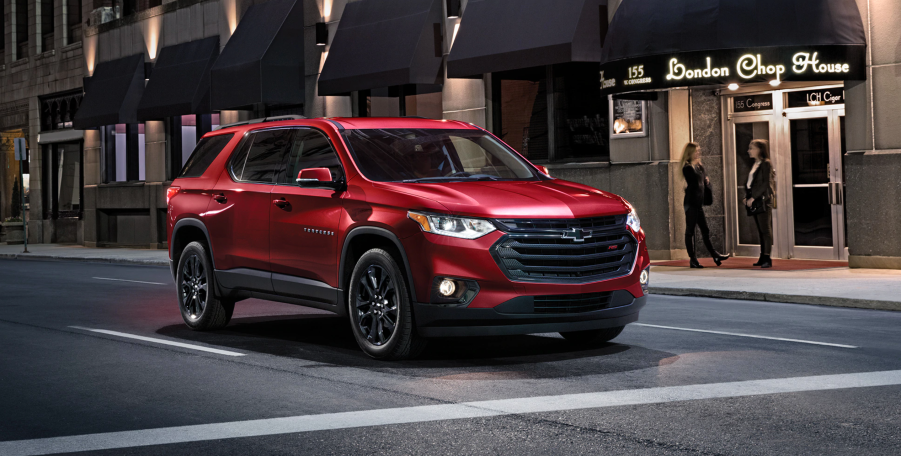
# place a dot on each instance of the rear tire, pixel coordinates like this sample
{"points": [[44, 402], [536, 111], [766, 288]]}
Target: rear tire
{"points": [[381, 310], [594, 336], [195, 282]]}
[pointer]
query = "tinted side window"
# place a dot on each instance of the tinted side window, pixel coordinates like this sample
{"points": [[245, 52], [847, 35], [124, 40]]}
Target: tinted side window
{"points": [[265, 157], [206, 151], [311, 149]]}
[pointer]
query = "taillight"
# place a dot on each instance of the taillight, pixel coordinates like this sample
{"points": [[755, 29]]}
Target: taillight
{"points": [[170, 192]]}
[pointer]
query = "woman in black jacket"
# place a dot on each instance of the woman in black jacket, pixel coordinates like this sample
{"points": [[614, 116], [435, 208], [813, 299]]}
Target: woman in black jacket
{"points": [[696, 181], [759, 187]]}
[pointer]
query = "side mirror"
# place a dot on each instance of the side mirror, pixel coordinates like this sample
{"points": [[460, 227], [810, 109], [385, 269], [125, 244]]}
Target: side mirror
{"points": [[317, 178]]}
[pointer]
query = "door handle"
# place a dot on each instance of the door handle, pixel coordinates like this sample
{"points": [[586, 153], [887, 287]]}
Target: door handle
{"points": [[220, 198], [831, 192], [281, 203]]}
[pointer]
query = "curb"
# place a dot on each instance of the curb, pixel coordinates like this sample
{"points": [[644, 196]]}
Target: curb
{"points": [[37, 256], [775, 297]]}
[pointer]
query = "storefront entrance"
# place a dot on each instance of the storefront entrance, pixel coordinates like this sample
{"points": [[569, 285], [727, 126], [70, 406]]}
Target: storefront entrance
{"points": [[805, 128]]}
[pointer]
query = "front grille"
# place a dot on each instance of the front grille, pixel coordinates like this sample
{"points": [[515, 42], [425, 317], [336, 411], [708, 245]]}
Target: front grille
{"points": [[537, 250], [561, 224], [575, 303]]}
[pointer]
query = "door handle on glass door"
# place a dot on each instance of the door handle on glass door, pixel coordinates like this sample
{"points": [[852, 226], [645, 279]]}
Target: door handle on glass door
{"points": [[220, 198]]}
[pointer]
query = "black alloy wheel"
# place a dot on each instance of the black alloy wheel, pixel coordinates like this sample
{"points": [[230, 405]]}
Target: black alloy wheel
{"points": [[200, 308], [194, 287], [380, 308], [376, 305]]}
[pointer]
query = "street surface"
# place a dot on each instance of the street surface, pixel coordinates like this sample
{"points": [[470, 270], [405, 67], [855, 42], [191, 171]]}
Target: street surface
{"points": [[95, 357]]}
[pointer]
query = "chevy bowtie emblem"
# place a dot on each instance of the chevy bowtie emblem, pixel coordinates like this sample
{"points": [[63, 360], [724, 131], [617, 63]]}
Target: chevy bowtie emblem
{"points": [[576, 234]]}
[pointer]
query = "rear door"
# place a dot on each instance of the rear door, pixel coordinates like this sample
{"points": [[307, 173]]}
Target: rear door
{"points": [[238, 215], [304, 224]]}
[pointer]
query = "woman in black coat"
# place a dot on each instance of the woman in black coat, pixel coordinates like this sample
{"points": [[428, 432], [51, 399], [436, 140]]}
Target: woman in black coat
{"points": [[696, 181], [759, 186]]}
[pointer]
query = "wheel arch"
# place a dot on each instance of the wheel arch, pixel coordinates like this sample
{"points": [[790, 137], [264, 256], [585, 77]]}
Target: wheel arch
{"points": [[346, 265], [188, 230]]}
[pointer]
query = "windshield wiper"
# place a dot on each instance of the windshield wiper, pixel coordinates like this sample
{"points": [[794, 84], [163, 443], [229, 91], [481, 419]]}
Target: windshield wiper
{"points": [[473, 177]]}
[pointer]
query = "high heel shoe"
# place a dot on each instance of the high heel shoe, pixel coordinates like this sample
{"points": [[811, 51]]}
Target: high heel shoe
{"points": [[693, 264], [767, 262], [719, 258], [759, 260]]}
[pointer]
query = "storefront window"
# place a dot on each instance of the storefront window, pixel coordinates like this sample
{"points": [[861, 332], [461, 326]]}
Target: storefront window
{"points": [[520, 115], [62, 188], [381, 104], [123, 152], [184, 133], [581, 114]]}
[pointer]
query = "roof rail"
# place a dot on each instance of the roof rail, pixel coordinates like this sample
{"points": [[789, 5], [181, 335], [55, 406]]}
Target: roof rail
{"points": [[262, 120]]}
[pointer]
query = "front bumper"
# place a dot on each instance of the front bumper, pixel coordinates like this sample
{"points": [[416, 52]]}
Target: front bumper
{"points": [[514, 317]]}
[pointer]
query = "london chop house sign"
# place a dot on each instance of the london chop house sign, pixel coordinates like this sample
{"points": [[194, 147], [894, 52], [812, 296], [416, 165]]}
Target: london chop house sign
{"points": [[816, 63]]}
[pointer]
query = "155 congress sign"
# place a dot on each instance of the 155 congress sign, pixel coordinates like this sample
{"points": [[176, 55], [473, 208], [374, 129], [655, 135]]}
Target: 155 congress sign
{"points": [[741, 66]]}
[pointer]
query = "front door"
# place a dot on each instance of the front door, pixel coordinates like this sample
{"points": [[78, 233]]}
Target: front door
{"points": [[304, 222], [815, 172], [744, 130]]}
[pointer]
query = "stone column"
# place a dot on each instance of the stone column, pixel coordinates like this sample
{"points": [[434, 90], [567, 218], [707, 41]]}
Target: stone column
{"points": [[92, 178], [155, 179]]}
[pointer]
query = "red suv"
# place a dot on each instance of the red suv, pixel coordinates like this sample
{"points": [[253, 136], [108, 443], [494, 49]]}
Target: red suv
{"points": [[411, 228]]}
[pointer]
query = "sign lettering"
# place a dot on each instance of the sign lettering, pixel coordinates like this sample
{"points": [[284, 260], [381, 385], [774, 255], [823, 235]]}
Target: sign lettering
{"points": [[677, 71]]}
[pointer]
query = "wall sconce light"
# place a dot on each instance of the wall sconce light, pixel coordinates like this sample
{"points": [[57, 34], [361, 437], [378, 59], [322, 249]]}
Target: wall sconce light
{"points": [[453, 9], [321, 34]]}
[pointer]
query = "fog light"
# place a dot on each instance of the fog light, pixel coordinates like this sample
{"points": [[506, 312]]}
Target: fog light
{"points": [[447, 288], [644, 277]]}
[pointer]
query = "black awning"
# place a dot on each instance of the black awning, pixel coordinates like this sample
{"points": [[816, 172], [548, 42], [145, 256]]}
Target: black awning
{"points": [[385, 44], [112, 94], [501, 35], [654, 44], [262, 62], [180, 82]]}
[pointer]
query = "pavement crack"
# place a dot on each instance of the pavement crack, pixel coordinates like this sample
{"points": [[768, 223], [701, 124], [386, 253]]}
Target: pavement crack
{"points": [[532, 419]]}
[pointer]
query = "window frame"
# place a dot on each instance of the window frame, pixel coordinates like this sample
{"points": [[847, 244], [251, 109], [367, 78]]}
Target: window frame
{"points": [[249, 136], [331, 144]]}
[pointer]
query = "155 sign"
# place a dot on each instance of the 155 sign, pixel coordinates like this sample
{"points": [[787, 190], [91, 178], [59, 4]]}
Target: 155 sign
{"points": [[636, 71]]}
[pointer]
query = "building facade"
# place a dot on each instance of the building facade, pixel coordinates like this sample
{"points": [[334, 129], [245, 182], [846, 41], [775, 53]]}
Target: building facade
{"points": [[113, 99]]}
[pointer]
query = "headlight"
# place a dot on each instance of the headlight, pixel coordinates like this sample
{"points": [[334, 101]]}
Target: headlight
{"points": [[458, 227], [633, 221]]}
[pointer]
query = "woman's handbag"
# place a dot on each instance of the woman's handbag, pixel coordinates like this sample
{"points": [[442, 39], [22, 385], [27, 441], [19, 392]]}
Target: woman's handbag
{"points": [[757, 207], [708, 194]]}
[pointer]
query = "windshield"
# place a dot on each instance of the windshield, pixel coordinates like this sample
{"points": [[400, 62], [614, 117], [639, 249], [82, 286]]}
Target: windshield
{"points": [[415, 155]]}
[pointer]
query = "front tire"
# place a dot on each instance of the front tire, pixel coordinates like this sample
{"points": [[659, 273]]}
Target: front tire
{"points": [[380, 308], [593, 336], [196, 283]]}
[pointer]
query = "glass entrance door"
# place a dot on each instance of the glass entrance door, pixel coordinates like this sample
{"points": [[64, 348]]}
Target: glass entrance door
{"points": [[816, 194], [744, 130]]}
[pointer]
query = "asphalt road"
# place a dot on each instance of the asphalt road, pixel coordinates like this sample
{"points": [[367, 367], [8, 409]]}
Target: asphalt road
{"points": [[766, 378]]}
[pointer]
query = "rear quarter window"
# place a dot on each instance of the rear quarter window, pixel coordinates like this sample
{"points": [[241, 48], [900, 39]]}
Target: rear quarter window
{"points": [[206, 151]]}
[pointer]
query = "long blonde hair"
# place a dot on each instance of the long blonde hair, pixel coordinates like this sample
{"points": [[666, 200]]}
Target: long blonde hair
{"points": [[687, 153]]}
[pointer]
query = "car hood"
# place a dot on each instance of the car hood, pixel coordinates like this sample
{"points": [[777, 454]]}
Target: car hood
{"points": [[545, 199]]}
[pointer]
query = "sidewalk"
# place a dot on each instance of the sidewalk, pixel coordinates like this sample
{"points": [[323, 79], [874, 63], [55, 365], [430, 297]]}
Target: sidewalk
{"points": [[79, 253], [793, 281]]}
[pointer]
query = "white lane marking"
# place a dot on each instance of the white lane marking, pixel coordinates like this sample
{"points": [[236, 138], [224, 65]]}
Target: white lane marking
{"points": [[126, 280], [161, 341], [426, 413], [747, 335]]}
